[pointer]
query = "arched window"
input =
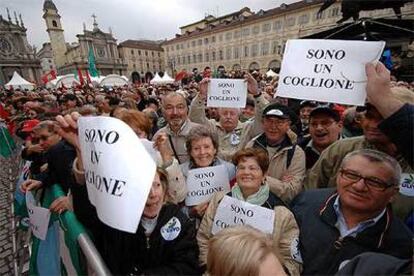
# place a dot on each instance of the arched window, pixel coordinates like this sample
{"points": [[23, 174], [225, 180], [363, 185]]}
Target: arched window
{"points": [[54, 23], [254, 66]]}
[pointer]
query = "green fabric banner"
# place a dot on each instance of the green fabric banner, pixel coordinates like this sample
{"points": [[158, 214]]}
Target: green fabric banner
{"points": [[92, 64], [50, 250], [7, 144]]}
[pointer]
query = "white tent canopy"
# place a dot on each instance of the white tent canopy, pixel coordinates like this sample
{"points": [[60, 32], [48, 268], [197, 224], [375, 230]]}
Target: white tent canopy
{"points": [[270, 73], [167, 79], [97, 80], [68, 81], [52, 83], [156, 80], [18, 82], [114, 80]]}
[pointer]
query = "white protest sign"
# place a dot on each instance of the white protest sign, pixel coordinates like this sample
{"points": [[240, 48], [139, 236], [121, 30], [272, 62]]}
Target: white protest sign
{"points": [[118, 171], [38, 217], [149, 146], [407, 184], [202, 183], [327, 70], [227, 93], [231, 212]]}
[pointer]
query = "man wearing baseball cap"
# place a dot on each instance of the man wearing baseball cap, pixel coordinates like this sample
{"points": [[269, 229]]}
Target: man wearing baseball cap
{"points": [[286, 159], [325, 128]]}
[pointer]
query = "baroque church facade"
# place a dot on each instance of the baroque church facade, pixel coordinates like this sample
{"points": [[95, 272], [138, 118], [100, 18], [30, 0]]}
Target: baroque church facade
{"points": [[70, 57], [15, 52]]}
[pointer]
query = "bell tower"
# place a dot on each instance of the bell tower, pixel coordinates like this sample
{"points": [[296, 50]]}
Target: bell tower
{"points": [[55, 31]]}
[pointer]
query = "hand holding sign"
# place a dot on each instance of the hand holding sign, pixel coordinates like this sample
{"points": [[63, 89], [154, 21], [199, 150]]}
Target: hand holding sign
{"points": [[231, 212], [203, 183], [118, 171], [252, 86], [230, 93], [378, 84], [203, 87], [330, 71], [379, 90], [60, 205]]}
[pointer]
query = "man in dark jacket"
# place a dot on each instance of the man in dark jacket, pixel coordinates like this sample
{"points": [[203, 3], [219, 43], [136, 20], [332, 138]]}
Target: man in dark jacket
{"points": [[335, 226], [59, 156], [376, 264], [387, 125]]}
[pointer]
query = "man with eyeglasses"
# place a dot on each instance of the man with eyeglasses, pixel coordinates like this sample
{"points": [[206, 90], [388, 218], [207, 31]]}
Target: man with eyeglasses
{"points": [[387, 125], [286, 159], [325, 128], [59, 156], [175, 112], [356, 217]]}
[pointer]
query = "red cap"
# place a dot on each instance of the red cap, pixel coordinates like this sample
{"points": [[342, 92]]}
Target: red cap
{"points": [[29, 125]]}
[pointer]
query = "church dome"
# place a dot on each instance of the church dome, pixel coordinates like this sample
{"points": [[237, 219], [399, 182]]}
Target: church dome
{"points": [[49, 5]]}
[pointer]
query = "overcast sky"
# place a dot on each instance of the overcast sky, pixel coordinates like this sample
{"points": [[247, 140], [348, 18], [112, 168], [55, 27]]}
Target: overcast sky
{"points": [[129, 19]]}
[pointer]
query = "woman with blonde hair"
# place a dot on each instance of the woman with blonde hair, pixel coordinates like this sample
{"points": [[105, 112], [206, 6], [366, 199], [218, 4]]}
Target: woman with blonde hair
{"points": [[242, 250]]}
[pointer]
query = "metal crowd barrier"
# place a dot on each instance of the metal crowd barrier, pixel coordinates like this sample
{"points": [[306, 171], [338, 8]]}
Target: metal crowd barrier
{"points": [[74, 232]]}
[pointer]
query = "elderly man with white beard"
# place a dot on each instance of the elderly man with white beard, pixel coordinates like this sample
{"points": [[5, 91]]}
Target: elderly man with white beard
{"points": [[233, 134]]}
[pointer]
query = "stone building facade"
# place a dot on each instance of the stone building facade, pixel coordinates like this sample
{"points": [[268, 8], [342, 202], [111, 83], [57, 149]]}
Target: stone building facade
{"points": [[251, 41], [15, 52], [69, 57], [45, 55], [143, 58]]}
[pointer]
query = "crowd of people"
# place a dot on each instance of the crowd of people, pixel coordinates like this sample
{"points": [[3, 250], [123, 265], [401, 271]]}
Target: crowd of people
{"points": [[330, 173]]}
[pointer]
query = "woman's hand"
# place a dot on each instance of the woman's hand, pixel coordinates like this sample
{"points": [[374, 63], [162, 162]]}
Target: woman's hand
{"points": [[203, 87], [29, 185], [161, 144], [252, 86], [60, 205], [287, 178], [199, 209]]}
